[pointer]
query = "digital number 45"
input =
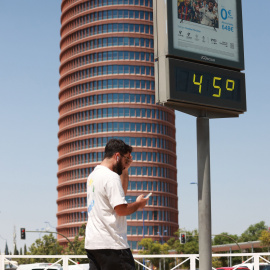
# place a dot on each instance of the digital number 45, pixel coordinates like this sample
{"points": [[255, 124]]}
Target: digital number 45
{"points": [[229, 84]]}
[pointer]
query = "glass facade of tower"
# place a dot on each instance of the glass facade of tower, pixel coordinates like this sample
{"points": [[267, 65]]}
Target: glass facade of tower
{"points": [[107, 91]]}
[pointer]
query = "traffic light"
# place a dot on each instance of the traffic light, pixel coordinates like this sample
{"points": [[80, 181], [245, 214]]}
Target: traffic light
{"points": [[182, 238], [22, 233]]}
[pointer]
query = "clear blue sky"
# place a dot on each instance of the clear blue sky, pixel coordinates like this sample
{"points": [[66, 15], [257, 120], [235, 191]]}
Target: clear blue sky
{"points": [[29, 63]]}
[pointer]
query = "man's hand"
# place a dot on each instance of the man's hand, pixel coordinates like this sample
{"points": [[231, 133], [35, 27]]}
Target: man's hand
{"points": [[124, 176], [142, 201], [130, 208], [128, 161]]}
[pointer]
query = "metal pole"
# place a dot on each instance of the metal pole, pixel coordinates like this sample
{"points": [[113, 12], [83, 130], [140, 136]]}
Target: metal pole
{"points": [[143, 237], [2, 262], [204, 193]]}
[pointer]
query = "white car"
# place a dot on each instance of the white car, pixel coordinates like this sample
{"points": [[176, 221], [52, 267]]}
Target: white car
{"points": [[263, 266]]}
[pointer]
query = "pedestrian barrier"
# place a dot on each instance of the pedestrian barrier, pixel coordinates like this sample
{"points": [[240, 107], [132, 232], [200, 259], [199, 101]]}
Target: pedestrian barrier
{"points": [[65, 260]]}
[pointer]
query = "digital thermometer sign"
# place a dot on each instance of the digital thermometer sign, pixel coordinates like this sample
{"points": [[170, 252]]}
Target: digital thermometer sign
{"points": [[199, 57], [205, 87]]}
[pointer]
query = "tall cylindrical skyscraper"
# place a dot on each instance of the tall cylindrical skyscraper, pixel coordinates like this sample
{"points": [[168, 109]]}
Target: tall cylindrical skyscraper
{"points": [[107, 91]]}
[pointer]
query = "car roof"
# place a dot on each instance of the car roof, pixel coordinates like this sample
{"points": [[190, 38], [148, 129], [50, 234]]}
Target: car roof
{"points": [[234, 267]]}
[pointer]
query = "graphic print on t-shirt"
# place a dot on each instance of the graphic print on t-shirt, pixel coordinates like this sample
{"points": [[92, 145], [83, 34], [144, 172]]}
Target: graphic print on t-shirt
{"points": [[92, 203]]}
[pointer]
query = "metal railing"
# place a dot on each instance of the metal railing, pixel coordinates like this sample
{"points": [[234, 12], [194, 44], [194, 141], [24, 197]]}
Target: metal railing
{"points": [[64, 260]]}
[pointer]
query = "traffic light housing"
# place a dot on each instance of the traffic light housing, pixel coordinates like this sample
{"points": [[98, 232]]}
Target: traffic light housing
{"points": [[182, 238], [23, 233]]}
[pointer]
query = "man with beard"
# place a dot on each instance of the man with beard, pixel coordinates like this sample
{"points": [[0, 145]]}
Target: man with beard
{"points": [[208, 16], [106, 231]]}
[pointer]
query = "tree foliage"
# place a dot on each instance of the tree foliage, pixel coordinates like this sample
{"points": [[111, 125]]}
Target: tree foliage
{"points": [[47, 245], [225, 238], [6, 250], [148, 246], [78, 245], [253, 232], [15, 251], [265, 239]]}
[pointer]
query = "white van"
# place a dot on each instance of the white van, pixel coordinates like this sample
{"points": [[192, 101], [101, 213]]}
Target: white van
{"points": [[83, 266], [40, 266]]}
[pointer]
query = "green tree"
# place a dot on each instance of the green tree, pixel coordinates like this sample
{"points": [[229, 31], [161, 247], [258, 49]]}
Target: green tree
{"points": [[148, 246], [24, 250], [78, 245], [6, 250], [192, 242], [190, 247], [265, 239], [253, 232], [225, 238], [47, 245], [15, 252], [217, 262]]}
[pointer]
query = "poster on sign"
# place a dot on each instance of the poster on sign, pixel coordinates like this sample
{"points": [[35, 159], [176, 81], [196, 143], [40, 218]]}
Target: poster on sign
{"points": [[209, 31]]}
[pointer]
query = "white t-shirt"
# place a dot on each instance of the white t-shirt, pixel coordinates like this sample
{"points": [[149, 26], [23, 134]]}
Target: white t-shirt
{"points": [[105, 229]]}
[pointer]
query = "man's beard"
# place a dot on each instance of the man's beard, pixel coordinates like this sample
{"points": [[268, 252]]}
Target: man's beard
{"points": [[118, 168]]}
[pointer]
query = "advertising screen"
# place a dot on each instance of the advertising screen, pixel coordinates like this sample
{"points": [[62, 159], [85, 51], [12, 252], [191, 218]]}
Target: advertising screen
{"points": [[209, 31]]}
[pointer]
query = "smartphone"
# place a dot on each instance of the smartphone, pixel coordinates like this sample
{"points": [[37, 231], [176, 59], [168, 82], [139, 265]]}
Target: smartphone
{"points": [[148, 195]]}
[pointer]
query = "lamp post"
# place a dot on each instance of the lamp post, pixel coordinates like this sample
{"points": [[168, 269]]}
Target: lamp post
{"points": [[164, 231], [143, 237], [49, 226], [40, 231], [130, 200], [161, 235]]}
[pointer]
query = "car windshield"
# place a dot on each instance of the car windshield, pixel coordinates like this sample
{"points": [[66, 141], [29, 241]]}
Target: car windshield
{"points": [[265, 267]]}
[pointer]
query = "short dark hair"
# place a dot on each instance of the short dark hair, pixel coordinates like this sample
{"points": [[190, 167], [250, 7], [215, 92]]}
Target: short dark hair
{"points": [[114, 145]]}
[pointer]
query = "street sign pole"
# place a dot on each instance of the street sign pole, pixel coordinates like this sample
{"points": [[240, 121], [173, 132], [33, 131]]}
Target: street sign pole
{"points": [[204, 193]]}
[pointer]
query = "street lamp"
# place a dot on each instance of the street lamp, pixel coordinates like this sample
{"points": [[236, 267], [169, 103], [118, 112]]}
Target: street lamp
{"points": [[49, 226], [161, 235], [130, 200], [40, 231]]}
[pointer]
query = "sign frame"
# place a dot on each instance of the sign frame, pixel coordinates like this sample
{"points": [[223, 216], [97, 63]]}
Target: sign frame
{"points": [[207, 58], [201, 99], [194, 104]]}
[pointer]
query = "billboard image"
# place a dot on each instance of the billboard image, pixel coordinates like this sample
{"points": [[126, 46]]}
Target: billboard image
{"points": [[207, 30], [198, 11]]}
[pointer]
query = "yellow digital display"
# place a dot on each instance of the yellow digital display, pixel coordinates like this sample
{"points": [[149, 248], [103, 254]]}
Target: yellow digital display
{"points": [[207, 85]]}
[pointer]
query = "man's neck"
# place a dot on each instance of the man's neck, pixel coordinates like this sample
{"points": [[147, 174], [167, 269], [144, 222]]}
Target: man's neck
{"points": [[107, 162]]}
